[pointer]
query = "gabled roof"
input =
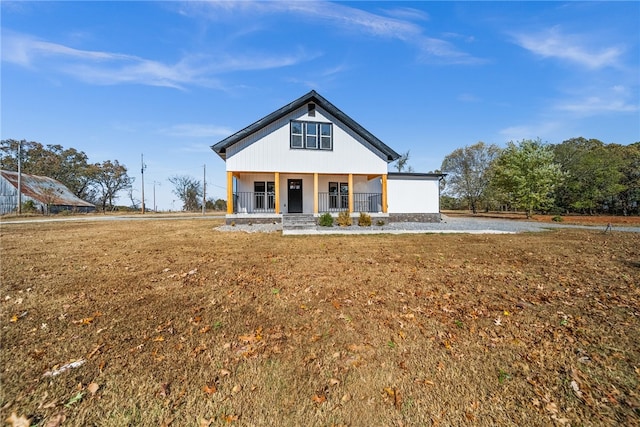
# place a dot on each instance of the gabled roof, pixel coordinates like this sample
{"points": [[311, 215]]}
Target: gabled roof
{"points": [[45, 190], [312, 97]]}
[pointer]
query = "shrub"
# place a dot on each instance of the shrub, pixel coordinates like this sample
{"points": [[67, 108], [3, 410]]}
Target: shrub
{"points": [[380, 223], [364, 220], [557, 218], [29, 207], [344, 219], [325, 220]]}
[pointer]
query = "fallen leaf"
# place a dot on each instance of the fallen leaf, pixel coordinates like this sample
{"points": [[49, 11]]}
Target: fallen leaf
{"points": [[159, 338], [394, 394], [93, 388], [230, 418], [346, 398], [205, 422], [498, 321], [14, 319], [236, 389], [321, 398], [225, 372], [18, 421], [165, 390], [336, 304], [334, 381], [210, 389], [551, 407]]}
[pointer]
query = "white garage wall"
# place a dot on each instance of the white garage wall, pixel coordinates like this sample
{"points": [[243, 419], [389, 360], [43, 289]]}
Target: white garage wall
{"points": [[413, 194]]}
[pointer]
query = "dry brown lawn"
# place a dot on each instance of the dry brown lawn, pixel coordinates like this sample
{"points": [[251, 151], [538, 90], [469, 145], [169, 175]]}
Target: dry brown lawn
{"points": [[179, 324]]}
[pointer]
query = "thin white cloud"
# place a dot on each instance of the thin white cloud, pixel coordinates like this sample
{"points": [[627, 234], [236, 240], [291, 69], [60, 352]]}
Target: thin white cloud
{"points": [[397, 26], [408, 13], [107, 68], [195, 130], [593, 105], [614, 99], [553, 43], [543, 130]]}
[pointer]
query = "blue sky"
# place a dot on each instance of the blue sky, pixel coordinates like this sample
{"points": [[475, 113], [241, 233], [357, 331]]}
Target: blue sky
{"points": [[169, 79]]}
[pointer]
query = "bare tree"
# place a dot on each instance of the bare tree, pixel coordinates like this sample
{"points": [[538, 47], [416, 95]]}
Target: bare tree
{"points": [[188, 190], [402, 164]]}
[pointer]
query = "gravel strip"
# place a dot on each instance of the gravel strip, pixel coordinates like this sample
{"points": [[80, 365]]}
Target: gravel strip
{"points": [[447, 225]]}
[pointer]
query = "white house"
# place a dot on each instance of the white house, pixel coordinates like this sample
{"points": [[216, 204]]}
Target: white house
{"points": [[309, 157]]}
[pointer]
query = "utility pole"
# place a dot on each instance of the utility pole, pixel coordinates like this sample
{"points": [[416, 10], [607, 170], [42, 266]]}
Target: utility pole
{"points": [[142, 168], [155, 208], [19, 177], [204, 191]]}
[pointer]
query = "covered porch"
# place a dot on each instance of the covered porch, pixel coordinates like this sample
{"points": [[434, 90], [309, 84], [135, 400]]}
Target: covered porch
{"points": [[272, 194]]}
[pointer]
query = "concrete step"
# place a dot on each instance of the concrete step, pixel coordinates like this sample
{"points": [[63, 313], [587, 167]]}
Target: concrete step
{"points": [[298, 221]]}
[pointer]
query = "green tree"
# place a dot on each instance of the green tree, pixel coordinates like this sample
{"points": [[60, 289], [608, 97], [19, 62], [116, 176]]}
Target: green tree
{"points": [[188, 190], [628, 199], [69, 166], [110, 178], [593, 173], [216, 204], [468, 172], [526, 172]]}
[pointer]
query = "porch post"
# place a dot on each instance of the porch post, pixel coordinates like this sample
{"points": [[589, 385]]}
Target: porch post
{"points": [[229, 192], [350, 193], [384, 193], [277, 188], [315, 192]]}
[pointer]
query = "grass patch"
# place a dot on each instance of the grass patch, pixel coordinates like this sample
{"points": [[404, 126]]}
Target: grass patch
{"points": [[178, 323]]}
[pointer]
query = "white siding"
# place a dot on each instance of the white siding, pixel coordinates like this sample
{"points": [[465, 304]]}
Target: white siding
{"points": [[413, 195], [269, 150]]}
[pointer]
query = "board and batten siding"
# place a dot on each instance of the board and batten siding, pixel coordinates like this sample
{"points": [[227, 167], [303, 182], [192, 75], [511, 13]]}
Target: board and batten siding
{"points": [[408, 195], [268, 150]]}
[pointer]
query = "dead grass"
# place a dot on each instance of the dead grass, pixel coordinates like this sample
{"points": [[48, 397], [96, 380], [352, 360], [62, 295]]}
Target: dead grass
{"points": [[566, 219], [183, 325]]}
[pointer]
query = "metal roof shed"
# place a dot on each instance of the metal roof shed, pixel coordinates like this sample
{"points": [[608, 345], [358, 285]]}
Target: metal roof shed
{"points": [[47, 194]]}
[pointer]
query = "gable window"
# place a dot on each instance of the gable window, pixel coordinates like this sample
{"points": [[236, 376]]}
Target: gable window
{"points": [[264, 195], [311, 135], [296, 134]]}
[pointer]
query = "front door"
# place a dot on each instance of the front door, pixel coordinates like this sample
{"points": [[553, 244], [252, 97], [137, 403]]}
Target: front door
{"points": [[295, 195]]}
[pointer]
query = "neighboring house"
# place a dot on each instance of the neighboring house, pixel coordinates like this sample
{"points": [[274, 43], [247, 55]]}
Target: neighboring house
{"points": [[47, 194], [310, 157]]}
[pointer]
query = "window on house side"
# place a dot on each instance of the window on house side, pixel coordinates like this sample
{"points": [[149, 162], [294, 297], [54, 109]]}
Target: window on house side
{"points": [[338, 195], [264, 195]]}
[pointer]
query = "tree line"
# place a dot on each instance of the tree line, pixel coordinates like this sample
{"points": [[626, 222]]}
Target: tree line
{"points": [[97, 183], [578, 175]]}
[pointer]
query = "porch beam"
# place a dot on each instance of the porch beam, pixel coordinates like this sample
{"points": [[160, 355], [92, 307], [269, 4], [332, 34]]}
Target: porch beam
{"points": [[384, 193], [315, 192], [277, 189], [350, 193], [229, 192]]}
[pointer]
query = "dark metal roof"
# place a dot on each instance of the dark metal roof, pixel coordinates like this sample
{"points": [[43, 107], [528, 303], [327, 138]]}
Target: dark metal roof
{"points": [[312, 97], [416, 175], [45, 190]]}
